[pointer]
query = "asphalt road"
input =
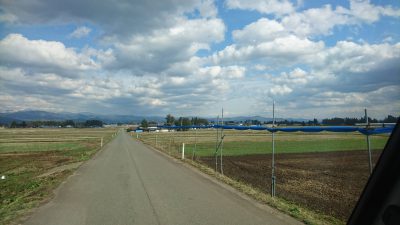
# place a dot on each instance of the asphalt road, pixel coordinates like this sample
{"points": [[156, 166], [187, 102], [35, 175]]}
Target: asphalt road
{"points": [[128, 183]]}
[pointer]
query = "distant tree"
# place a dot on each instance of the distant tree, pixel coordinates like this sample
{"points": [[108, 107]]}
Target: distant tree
{"points": [[202, 121], [390, 119], [186, 121], [169, 120], [347, 121], [68, 123], [334, 121], [93, 123], [183, 121], [199, 121], [144, 124], [23, 124], [13, 124], [194, 121]]}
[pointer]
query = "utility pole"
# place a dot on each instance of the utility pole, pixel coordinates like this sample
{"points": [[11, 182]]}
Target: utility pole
{"points": [[222, 140], [273, 178], [216, 146], [368, 143]]}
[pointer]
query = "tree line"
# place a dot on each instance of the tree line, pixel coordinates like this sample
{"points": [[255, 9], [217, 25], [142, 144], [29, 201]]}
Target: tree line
{"points": [[52, 123], [353, 121], [170, 120]]}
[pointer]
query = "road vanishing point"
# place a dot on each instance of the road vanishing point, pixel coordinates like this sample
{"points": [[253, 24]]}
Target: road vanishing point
{"points": [[130, 183]]}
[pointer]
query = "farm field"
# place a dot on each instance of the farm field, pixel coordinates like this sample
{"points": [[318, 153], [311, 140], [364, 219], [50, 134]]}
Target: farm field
{"points": [[324, 172], [326, 182], [35, 161]]}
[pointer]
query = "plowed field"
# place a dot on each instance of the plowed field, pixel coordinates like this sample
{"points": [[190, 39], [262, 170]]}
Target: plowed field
{"points": [[328, 182]]}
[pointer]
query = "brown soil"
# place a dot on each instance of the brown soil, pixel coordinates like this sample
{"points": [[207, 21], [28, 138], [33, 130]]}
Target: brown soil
{"points": [[329, 182]]}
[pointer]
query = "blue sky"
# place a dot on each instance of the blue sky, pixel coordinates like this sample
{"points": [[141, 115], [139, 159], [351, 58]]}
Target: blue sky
{"points": [[315, 58]]}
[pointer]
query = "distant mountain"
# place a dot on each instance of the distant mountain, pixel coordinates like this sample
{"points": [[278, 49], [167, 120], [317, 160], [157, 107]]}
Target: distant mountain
{"points": [[32, 115]]}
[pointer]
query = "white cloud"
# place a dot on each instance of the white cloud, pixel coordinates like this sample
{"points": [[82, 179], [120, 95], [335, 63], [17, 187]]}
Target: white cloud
{"points": [[388, 39], [280, 90], [16, 50], [165, 47], [278, 7], [150, 58], [296, 77], [364, 11], [348, 56], [315, 21], [285, 50], [24, 102], [80, 32], [259, 31], [117, 17], [207, 9]]}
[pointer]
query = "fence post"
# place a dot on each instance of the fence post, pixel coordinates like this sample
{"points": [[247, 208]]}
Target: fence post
{"points": [[222, 141], [183, 150], [101, 143], [369, 155], [368, 143], [273, 177]]}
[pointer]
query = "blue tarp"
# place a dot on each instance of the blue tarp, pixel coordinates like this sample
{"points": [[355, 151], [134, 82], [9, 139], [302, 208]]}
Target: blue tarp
{"points": [[366, 131]]}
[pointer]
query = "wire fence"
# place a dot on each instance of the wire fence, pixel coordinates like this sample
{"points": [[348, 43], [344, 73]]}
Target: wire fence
{"points": [[323, 171]]}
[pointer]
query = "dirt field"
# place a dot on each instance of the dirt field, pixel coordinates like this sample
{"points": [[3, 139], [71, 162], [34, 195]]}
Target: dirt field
{"points": [[327, 182]]}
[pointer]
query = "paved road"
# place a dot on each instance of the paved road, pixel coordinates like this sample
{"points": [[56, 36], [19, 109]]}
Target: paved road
{"points": [[128, 183]]}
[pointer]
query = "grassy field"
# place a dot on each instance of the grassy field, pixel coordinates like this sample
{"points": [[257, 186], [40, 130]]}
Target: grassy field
{"points": [[203, 142], [35, 161]]}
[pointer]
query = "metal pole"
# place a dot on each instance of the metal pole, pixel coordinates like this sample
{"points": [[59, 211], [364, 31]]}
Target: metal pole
{"points": [[368, 143], [369, 155], [273, 152], [222, 140], [183, 150], [169, 147], [195, 144], [173, 140], [216, 147], [156, 140]]}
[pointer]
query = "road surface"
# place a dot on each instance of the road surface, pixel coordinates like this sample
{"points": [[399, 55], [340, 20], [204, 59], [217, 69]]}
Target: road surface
{"points": [[129, 183]]}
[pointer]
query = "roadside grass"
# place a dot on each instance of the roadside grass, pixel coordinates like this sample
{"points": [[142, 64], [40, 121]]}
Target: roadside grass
{"points": [[22, 189], [23, 163], [38, 146]]}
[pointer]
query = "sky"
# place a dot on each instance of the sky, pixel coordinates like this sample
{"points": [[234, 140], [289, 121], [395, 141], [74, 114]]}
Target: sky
{"points": [[315, 59]]}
